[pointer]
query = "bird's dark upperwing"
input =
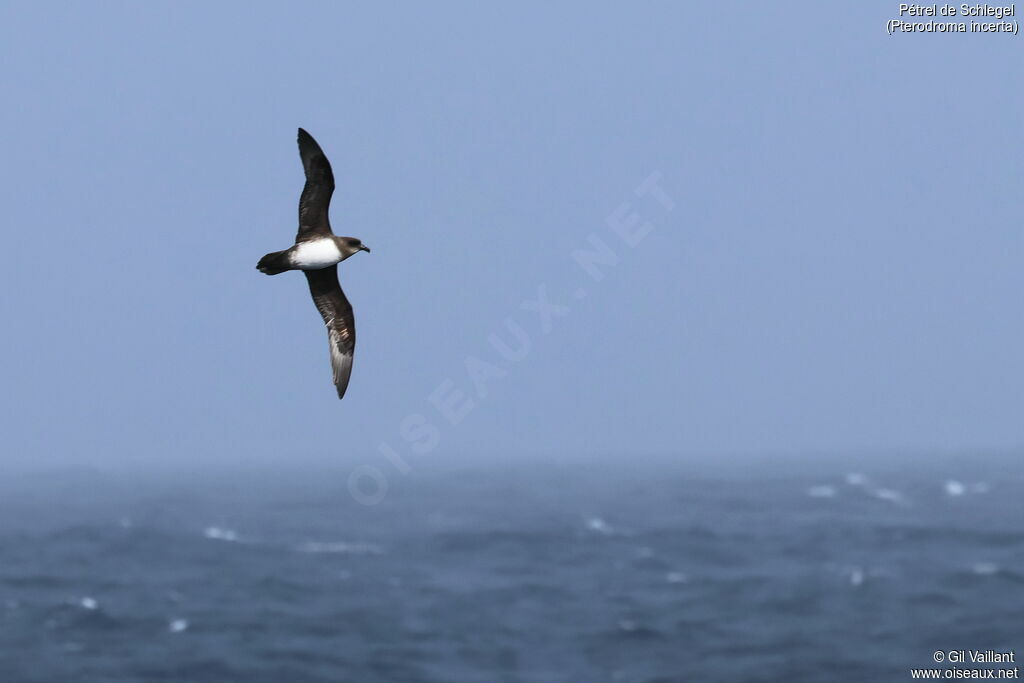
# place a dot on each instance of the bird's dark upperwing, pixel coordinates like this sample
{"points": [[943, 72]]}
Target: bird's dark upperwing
{"points": [[341, 325], [316, 195]]}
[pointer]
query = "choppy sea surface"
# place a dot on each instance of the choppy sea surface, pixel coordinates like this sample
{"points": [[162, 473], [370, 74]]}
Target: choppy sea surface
{"points": [[510, 572]]}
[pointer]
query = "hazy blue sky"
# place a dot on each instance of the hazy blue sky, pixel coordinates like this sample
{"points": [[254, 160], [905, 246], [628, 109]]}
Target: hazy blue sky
{"points": [[840, 271]]}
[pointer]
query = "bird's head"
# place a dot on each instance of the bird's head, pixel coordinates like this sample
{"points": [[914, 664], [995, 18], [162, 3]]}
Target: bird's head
{"points": [[350, 245]]}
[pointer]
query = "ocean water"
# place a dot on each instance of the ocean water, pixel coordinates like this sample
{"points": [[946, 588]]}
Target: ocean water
{"points": [[510, 572]]}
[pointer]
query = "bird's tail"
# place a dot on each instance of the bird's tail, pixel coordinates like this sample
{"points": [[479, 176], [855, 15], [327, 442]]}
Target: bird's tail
{"points": [[273, 263]]}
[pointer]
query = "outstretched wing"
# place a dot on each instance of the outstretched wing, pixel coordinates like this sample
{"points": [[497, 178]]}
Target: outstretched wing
{"points": [[316, 194], [337, 315]]}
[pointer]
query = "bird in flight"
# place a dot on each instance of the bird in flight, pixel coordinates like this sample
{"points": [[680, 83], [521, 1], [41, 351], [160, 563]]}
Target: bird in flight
{"points": [[317, 252]]}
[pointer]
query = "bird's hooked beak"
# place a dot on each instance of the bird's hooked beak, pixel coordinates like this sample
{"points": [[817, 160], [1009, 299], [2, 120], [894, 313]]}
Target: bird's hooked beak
{"points": [[364, 248]]}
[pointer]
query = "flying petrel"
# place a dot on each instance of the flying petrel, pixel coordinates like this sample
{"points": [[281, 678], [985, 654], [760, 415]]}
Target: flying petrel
{"points": [[316, 252]]}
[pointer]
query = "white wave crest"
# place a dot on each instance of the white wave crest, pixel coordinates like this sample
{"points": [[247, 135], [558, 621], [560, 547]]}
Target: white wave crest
{"points": [[217, 533], [339, 547]]}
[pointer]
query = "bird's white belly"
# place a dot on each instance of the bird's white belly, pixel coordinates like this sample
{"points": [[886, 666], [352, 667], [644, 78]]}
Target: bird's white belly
{"points": [[316, 254]]}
